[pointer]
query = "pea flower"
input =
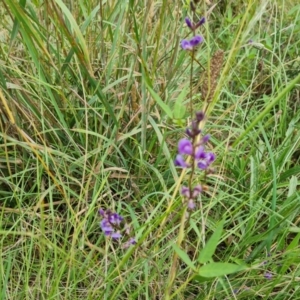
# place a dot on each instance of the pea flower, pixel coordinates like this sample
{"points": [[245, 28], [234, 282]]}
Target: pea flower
{"points": [[113, 226], [192, 43]]}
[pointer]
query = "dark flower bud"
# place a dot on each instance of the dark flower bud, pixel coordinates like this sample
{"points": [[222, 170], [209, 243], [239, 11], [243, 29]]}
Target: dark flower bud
{"points": [[200, 116], [189, 23], [201, 22]]}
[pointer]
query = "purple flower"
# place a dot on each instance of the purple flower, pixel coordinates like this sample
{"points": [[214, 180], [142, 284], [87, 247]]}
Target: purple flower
{"points": [[191, 197], [102, 212], [130, 242], [111, 225], [192, 43], [191, 204], [185, 191], [109, 222], [197, 190], [200, 153], [116, 235], [205, 161], [205, 139], [115, 219], [194, 148], [180, 162], [210, 157], [268, 275], [185, 147], [109, 230]]}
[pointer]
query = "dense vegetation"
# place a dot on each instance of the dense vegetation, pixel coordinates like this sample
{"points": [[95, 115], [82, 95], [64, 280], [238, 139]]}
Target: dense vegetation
{"points": [[94, 97]]}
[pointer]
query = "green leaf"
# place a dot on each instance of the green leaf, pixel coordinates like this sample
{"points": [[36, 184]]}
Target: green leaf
{"points": [[160, 102], [179, 109], [77, 31], [293, 186], [220, 269], [266, 110], [184, 257], [201, 279], [16, 26], [210, 248]]}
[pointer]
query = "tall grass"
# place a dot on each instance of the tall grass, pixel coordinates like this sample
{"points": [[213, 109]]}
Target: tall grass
{"points": [[88, 121]]}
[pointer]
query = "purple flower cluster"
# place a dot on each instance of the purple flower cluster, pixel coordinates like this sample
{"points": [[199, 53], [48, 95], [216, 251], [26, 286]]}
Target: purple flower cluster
{"points": [[197, 151], [111, 224], [191, 147], [202, 158], [191, 195], [196, 39]]}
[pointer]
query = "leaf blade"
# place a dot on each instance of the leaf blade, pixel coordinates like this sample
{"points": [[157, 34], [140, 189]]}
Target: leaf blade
{"points": [[210, 247]]}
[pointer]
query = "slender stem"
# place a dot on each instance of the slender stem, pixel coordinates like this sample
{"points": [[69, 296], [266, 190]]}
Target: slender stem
{"points": [[172, 273], [191, 83]]}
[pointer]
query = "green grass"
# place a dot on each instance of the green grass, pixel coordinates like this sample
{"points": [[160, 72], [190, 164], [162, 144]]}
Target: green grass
{"points": [[87, 91]]}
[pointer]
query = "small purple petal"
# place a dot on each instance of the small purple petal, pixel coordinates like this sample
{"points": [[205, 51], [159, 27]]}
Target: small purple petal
{"points": [[210, 157], [185, 147], [116, 235], [180, 162], [106, 227], [115, 219], [189, 23], [268, 275], [130, 242], [185, 191], [200, 153], [196, 40], [104, 223], [201, 22], [202, 164], [197, 190], [192, 43], [205, 139], [186, 45], [191, 204]]}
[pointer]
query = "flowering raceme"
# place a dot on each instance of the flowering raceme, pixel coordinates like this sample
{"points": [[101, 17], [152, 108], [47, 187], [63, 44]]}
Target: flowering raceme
{"points": [[195, 150], [111, 225], [196, 39]]}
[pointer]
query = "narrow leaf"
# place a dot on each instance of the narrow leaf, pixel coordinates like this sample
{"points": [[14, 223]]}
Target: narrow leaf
{"points": [[160, 102], [185, 258], [179, 106], [210, 248], [220, 269]]}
